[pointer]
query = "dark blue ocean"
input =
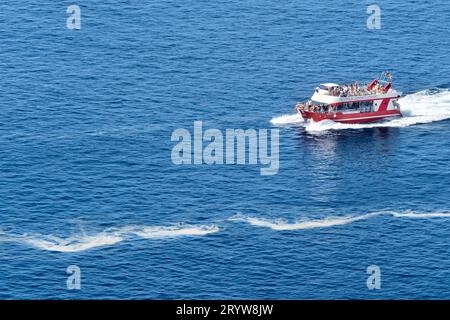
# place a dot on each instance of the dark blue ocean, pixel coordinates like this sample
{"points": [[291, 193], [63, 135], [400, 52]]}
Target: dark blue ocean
{"points": [[87, 179]]}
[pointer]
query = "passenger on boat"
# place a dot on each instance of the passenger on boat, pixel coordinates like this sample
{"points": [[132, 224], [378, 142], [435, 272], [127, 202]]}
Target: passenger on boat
{"points": [[353, 89], [300, 107]]}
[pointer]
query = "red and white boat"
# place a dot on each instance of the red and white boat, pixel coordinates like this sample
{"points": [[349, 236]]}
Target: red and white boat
{"points": [[352, 103]]}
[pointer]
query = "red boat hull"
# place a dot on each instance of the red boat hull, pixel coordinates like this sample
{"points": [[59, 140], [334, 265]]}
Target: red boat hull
{"points": [[359, 117]]}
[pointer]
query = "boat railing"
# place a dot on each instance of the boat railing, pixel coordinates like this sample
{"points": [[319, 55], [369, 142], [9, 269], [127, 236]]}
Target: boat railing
{"points": [[333, 109], [359, 93]]}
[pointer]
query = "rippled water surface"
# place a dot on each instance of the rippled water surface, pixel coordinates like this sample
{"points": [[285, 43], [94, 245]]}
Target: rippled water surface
{"points": [[86, 176]]}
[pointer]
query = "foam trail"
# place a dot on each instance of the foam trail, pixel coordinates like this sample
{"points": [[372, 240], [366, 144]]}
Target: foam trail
{"points": [[163, 232], [282, 225], [418, 108], [82, 242], [287, 119], [414, 215], [72, 244]]}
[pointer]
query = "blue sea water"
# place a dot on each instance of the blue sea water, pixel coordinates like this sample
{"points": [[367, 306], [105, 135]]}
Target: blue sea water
{"points": [[86, 175]]}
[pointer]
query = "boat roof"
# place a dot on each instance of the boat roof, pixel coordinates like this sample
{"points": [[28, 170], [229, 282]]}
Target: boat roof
{"points": [[329, 85]]}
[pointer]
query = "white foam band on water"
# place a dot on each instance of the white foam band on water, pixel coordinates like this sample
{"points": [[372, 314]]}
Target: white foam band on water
{"points": [[72, 244], [417, 108], [84, 242], [420, 215], [162, 232], [287, 119], [282, 225]]}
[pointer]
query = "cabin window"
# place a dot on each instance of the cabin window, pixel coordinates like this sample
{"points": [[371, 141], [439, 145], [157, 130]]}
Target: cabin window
{"points": [[363, 106], [366, 106]]}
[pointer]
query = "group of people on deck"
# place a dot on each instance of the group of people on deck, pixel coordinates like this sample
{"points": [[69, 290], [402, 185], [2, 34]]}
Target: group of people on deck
{"points": [[309, 106], [348, 90]]}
